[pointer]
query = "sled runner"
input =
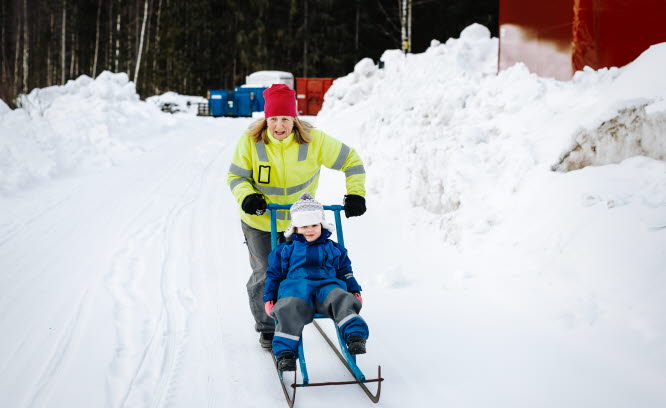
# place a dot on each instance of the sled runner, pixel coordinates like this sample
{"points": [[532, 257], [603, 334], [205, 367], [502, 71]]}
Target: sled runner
{"points": [[341, 351]]}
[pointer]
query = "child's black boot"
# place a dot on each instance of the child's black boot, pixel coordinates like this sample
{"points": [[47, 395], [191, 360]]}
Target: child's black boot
{"points": [[356, 345], [286, 362]]}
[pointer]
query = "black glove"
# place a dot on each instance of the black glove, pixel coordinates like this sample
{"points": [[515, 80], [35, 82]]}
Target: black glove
{"points": [[354, 205], [254, 204]]}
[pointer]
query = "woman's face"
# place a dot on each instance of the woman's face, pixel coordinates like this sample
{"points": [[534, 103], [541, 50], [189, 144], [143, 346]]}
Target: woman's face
{"points": [[280, 126]]}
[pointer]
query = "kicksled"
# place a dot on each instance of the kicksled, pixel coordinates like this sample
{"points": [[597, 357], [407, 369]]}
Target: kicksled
{"points": [[348, 360]]}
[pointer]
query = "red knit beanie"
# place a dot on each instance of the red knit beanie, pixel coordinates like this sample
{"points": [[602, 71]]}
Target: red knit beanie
{"points": [[280, 100]]}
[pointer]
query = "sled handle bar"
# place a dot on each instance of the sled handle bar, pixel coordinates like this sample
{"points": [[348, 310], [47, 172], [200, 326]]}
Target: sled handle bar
{"points": [[273, 208]]}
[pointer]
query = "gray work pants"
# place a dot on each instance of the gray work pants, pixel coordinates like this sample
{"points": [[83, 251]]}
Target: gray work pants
{"points": [[259, 245]]}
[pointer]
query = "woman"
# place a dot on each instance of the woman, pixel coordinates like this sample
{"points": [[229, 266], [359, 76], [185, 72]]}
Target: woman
{"points": [[275, 161]]}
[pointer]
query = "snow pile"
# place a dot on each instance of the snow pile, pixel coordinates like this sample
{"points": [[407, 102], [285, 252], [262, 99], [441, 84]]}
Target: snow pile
{"points": [[484, 180], [84, 124], [413, 82], [445, 128]]}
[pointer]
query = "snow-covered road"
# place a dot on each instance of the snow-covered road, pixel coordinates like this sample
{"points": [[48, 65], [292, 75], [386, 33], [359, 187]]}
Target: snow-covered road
{"points": [[126, 288]]}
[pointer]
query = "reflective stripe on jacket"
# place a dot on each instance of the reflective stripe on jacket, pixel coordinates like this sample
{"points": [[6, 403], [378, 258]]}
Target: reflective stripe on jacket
{"points": [[283, 170]]}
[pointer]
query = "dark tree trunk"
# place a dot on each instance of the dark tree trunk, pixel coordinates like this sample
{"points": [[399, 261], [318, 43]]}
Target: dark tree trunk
{"points": [[63, 37], [99, 12], [305, 38]]}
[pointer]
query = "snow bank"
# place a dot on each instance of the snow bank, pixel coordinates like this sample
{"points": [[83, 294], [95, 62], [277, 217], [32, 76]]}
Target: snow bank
{"points": [[416, 80], [460, 165], [635, 121], [444, 127], [82, 125]]}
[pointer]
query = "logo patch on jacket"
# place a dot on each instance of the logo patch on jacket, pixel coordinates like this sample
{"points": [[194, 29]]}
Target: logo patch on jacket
{"points": [[264, 174]]}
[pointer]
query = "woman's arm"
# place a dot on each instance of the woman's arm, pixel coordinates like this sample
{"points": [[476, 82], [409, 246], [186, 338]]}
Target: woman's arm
{"points": [[338, 156], [240, 175]]}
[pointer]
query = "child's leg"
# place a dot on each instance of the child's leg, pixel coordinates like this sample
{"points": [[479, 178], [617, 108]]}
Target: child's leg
{"points": [[344, 308], [292, 314]]}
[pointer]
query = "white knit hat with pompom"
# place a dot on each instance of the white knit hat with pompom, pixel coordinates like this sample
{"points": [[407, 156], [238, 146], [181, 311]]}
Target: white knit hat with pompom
{"points": [[307, 211]]}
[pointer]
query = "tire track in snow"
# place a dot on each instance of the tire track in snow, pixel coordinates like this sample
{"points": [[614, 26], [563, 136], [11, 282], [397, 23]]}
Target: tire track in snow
{"points": [[9, 229], [146, 367], [132, 315], [58, 356]]}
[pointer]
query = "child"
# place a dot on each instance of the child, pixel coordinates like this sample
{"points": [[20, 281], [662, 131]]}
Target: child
{"points": [[307, 275]]}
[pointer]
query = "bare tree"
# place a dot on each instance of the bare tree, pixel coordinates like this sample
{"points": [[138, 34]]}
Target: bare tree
{"points": [[129, 50], [117, 41], [403, 26], [409, 25], [26, 46], [143, 30], [17, 52], [72, 54], [109, 48], [148, 27], [49, 52], [63, 39], [157, 44], [4, 74], [305, 38], [99, 12], [75, 70]]}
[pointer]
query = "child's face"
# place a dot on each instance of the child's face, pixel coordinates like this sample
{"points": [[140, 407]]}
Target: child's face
{"points": [[310, 232]]}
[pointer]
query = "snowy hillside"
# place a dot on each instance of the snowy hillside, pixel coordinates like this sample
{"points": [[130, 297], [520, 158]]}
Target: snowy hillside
{"points": [[513, 253]]}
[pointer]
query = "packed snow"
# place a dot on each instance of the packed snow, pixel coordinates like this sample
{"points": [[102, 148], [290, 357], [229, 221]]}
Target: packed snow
{"points": [[513, 253]]}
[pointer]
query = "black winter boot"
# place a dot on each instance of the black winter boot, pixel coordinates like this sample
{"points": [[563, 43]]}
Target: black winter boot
{"points": [[356, 345], [266, 339], [286, 362]]}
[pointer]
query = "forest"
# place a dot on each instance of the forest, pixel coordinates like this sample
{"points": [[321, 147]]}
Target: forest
{"points": [[194, 45]]}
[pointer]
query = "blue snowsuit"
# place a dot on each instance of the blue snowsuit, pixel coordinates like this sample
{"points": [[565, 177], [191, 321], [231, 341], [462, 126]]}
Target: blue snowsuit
{"points": [[308, 278]]}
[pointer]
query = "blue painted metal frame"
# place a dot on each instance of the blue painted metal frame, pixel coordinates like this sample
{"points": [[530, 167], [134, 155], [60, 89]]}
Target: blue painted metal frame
{"points": [[351, 360]]}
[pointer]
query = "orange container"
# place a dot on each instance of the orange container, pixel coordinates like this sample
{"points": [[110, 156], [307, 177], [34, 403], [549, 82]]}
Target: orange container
{"points": [[310, 94]]}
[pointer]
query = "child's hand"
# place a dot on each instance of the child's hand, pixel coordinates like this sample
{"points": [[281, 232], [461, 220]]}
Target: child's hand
{"points": [[268, 306], [358, 296]]}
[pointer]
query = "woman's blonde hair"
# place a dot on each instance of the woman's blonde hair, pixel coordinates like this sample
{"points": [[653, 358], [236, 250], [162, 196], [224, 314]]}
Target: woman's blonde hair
{"points": [[259, 131]]}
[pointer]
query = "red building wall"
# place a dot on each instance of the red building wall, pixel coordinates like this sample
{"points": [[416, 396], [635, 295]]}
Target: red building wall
{"points": [[537, 33], [556, 38]]}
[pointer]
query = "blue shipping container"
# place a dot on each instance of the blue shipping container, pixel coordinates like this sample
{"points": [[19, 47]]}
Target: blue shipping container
{"points": [[249, 100], [243, 104], [240, 102], [221, 103]]}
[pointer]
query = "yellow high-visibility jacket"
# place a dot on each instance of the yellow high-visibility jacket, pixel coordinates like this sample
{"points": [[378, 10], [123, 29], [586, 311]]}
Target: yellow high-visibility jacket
{"points": [[283, 170]]}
